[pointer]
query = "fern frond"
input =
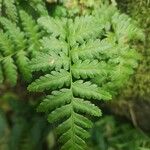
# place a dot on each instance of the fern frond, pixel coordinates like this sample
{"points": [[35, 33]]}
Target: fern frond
{"points": [[6, 45], [32, 31], [19, 41], [11, 10], [8, 67], [13, 45], [14, 33], [38, 6], [124, 29], [62, 105], [74, 55]]}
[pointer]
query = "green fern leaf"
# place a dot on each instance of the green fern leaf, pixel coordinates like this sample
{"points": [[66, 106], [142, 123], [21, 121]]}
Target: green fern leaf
{"points": [[45, 61], [58, 98], [88, 69], [32, 31], [56, 27], [89, 90], [79, 134], [10, 70], [22, 62], [50, 81], [63, 107], [20, 42], [83, 106], [75, 54], [54, 44], [82, 121], [59, 113], [77, 140], [14, 33], [6, 45], [124, 30], [38, 6], [83, 28], [10, 10], [15, 51], [91, 49]]}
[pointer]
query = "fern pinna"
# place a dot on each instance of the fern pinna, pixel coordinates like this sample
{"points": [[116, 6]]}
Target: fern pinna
{"points": [[10, 8], [82, 60], [17, 46], [19, 37]]}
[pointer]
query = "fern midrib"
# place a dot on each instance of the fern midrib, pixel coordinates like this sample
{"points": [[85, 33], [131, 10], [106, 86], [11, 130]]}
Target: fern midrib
{"points": [[71, 85]]}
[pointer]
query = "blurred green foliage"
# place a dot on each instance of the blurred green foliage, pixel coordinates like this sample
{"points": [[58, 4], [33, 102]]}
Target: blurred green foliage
{"points": [[21, 128], [110, 133], [139, 85]]}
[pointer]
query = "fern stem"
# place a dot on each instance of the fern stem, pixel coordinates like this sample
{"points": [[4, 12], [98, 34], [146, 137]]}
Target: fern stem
{"points": [[71, 85]]}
